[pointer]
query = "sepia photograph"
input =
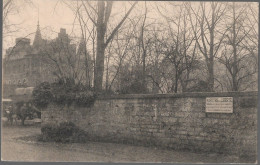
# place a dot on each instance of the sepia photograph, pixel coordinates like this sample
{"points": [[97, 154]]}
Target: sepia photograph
{"points": [[129, 81]]}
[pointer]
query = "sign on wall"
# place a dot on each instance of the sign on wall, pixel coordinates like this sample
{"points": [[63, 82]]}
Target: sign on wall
{"points": [[219, 104]]}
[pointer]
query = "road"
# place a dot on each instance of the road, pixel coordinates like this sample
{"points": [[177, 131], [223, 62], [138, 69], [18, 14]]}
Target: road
{"points": [[14, 149]]}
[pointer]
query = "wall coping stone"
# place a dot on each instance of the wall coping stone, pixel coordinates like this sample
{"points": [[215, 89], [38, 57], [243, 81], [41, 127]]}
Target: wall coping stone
{"points": [[180, 95]]}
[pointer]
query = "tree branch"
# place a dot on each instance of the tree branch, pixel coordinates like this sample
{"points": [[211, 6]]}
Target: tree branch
{"points": [[120, 24]]}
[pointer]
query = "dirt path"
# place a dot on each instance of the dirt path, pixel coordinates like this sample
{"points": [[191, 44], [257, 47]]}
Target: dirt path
{"points": [[17, 150]]}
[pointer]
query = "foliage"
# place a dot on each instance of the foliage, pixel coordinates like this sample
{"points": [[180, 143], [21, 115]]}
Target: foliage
{"points": [[85, 99], [42, 95], [67, 92], [63, 93], [64, 132]]}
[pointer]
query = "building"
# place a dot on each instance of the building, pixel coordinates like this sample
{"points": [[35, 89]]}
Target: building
{"points": [[27, 65]]}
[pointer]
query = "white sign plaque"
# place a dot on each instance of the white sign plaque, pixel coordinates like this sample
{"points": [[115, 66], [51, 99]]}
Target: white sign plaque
{"points": [[219, 104]]}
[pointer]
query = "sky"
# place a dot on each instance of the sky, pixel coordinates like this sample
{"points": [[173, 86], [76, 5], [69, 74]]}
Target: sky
{"points": [[55, 14], [52, 16]]}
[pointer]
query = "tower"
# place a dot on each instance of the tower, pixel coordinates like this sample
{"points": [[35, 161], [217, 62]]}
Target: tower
{"points": [[38, 38]]}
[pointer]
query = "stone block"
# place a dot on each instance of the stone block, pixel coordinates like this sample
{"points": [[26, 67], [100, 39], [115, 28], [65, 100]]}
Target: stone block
{"points": [[164, 114], [180, 114], [199, 138], [171, 120]]}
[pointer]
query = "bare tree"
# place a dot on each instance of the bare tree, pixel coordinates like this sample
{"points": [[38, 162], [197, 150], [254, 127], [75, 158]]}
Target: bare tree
{"points": [[155, 59], [60, 55], [207, 34], [12, 7], [144, 47], [100, 18], [239, 61], [180, 46], [120, 52]]}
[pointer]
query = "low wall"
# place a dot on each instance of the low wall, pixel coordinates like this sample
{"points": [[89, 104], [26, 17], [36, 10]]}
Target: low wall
{"points": [[176, 121]]}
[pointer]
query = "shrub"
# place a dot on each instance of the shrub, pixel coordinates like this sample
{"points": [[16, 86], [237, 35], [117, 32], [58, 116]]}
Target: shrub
{"points": [[64, 132], [63, 93], [79, 136], [42, 95], [85, 99], [66, 129], [49, 132]]}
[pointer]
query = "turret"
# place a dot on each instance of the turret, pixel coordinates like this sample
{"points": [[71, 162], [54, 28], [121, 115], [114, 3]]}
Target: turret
{"points": [[38, 38]]}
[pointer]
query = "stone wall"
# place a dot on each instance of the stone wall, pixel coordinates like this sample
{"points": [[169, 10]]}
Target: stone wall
{"points": [[175, 121]]}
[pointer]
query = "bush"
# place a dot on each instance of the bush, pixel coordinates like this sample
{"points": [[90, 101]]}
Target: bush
{"points": [[49, 133], [85, 99], [42, 95], [63, 93], [64, 132], [66, 129]]}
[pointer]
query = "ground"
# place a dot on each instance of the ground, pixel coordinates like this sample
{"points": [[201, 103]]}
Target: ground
{"points": [[16, 149]]}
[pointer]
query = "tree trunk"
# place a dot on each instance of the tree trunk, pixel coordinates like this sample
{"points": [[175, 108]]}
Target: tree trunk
{"points": [[176, 86], [211, 55], [156, 77], [235, 68], [176, 81], [103, 14], [107, 76], [98, 77], [101, 31], [143, 72], [211, 75]]}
